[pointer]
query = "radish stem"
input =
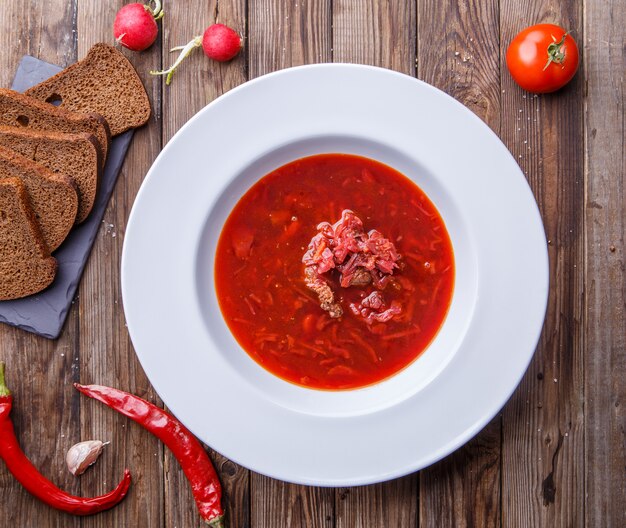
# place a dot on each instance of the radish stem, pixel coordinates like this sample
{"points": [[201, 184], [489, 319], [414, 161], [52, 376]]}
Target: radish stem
{"points": [[186, 50], [157, 12]]}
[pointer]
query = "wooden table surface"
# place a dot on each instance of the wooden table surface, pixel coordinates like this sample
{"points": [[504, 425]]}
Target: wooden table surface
{"points": [[554, 456]]}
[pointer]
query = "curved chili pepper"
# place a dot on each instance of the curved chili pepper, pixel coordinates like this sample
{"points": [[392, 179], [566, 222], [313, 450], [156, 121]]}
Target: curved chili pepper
{"points": [[187, 449], [34, 482]]}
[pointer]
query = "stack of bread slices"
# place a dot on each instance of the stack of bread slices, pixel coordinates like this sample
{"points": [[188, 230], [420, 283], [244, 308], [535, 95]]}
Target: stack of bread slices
{"points": [[54, 141]]}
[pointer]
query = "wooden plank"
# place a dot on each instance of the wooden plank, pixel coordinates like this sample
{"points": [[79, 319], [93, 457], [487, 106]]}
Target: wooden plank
{"points": [[542, 454], [281, 505], [464, 488], [39, 372], [196, 83], [543, 464], [605, 221], [392, 503], [457, 52], [284, 34], [375, 33], [379, 34], [46, 417], [456, 43], [198, 80], [106, 354]]}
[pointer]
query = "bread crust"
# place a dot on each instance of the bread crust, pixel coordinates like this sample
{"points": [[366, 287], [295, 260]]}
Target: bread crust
{"points": [[104, 82], [26, 266], [75, 155], [19, 110], [53, 197]]}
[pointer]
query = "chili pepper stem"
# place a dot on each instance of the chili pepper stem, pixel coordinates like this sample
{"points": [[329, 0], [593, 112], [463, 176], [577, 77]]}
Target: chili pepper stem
{"points": [[4, 390], [186, 50], [218, 522]]}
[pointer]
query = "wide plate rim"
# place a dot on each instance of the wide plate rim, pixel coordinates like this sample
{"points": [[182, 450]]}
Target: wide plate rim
{"points": [[377, 476]]}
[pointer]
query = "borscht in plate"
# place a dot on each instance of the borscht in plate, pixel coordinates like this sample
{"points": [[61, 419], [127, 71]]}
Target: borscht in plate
{"points": [[334, 272]]}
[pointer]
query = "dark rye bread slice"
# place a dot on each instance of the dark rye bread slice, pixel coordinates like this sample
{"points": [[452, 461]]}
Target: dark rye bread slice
{"points": [[19, 110], [26, 266], [104, 82], [52, 196], [75, 155]]}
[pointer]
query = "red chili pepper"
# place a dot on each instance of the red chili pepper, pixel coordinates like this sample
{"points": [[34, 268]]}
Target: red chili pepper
{"points": [[34, 482], [187, 449]]}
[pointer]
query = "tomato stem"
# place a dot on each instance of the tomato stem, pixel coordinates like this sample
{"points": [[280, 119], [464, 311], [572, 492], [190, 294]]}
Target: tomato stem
{"points": [[555, 52]]}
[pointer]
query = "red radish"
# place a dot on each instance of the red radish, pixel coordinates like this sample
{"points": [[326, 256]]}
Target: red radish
{"points": [[219, 42], [135, 25]]}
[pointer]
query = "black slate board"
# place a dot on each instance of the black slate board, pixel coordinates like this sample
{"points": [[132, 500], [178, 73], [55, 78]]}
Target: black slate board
{"points": [[45, 313]]}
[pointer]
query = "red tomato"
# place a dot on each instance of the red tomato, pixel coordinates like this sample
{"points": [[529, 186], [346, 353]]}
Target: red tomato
{"points": [[542, 58]]}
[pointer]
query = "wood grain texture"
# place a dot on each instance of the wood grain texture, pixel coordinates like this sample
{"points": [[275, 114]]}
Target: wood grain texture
{"points": [[605, 282], [106, 354], [284, 34], [458, 46], [375, 33], [557, 454], [392, 503], [196, 83], [463, 490], [542, 452], [40, 372], [282, 505], [458, 51]]}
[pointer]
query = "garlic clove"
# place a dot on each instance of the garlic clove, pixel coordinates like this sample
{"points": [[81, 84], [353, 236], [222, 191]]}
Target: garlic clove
{"points": [[82, 455]]}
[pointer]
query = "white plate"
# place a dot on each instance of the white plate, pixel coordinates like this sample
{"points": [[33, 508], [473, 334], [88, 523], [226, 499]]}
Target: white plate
{"points": [[348, 437]]}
